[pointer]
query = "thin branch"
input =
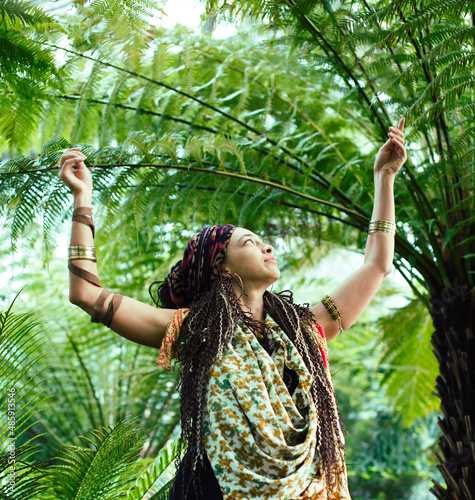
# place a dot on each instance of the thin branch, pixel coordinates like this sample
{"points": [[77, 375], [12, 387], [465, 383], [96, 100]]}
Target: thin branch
{"points": [[348, 222], [264, 152], [255, 180], [425, 265], [141, 110]]}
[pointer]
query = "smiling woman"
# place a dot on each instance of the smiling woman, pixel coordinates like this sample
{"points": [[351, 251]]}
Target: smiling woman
{"points": [[259, 417]]}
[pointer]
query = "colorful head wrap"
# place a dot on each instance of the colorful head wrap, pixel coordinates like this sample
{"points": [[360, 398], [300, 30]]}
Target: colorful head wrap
{"points": [[200, 265]]}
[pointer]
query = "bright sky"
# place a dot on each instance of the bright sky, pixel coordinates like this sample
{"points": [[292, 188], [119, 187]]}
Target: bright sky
{"points": [[188, 13], [185, 12]]}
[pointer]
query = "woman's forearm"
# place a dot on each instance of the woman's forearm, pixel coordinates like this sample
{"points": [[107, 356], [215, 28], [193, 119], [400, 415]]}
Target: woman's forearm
{"points": [[81, 292], [380, 246]]}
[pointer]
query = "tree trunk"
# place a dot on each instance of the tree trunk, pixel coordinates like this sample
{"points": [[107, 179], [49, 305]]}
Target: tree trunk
{"points": [[454, 346]]}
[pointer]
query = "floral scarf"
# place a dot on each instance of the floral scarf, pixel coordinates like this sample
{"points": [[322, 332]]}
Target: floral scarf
{"points": [[260, 440]]}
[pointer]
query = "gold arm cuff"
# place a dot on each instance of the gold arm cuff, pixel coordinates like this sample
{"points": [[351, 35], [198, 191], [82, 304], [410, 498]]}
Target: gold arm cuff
{"points": [[383, 223], [85, 257], [382, 226], [81, 247], [382, 230], [79, 251], [331, 307]]}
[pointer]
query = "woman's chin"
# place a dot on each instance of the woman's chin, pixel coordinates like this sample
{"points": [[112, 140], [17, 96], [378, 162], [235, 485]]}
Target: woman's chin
{"points": [[275, 276]]}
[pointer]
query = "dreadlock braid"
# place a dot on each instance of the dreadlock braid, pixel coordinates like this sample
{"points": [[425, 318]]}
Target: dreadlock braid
{"points": [[289, 316], [208, 328]]}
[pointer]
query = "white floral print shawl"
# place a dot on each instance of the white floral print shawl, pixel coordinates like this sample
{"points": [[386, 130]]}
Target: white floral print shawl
{"points": [[260, 440]]}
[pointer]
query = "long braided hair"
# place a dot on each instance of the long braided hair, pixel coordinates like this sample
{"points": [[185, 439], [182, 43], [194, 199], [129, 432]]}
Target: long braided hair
{"points": [[208, 328]]}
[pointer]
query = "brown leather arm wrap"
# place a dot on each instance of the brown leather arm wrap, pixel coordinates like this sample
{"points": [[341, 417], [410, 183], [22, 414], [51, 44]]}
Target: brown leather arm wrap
{"points": [[85, 275], [99, 305], [113, 305], [83, 215], [105, 317]]}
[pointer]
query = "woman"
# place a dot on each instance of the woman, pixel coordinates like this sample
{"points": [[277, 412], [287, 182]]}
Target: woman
{"points": [[258, 416]]}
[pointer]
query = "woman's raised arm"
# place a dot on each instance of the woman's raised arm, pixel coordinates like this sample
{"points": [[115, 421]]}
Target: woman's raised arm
{"points": [[353, 295], [132, 319]]}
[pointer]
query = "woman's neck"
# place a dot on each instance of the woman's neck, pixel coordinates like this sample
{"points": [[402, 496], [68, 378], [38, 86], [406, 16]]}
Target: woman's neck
{"points": [[253, 301]]}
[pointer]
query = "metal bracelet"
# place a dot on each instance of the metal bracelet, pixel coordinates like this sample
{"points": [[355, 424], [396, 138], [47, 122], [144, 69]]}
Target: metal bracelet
{"points": [[85, 257]]}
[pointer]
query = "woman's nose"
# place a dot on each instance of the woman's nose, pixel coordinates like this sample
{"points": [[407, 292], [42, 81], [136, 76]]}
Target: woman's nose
{"points": [[267, 249]]}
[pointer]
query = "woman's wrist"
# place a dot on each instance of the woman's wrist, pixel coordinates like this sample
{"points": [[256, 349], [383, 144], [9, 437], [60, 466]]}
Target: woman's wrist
{"points": [[384, 177], [383, 208], [82, 200]]}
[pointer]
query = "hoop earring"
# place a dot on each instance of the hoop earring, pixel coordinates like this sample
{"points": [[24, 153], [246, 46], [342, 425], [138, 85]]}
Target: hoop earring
{"points": [[241, 284]]}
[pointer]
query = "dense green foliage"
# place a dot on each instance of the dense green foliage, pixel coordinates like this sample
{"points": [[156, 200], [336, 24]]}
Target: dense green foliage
{"points": [[274, 129]]}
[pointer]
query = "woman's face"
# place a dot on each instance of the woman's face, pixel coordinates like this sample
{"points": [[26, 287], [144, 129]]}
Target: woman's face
{"points": [[250, 258]]}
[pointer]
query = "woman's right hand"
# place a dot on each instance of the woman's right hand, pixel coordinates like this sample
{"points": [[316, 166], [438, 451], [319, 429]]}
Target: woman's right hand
{"points": [[79, 181]]}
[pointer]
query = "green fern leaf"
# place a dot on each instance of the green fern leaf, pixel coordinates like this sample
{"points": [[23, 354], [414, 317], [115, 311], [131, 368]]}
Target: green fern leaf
{"points": [[409, 366]]}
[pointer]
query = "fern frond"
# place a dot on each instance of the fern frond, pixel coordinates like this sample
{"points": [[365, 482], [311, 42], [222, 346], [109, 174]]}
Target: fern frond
{"points": [[458, 87], [22, 398], [409, 367], [193, 148], [103, 470], [83, 107], [151, 482], [24, 12]]}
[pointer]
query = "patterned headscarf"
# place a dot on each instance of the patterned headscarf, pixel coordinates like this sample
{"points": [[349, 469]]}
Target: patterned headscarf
{"points": [[200, 265]]}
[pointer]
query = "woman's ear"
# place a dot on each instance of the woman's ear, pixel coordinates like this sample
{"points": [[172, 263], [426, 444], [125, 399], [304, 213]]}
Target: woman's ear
{"points": [[225, 265]]}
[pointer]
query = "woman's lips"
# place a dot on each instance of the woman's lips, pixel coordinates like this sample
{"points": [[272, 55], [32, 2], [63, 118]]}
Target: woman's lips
{"points": [[272, 259]]}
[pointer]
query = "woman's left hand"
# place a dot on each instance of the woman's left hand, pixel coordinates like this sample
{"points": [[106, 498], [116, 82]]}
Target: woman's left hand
{"points": [[392, 154]]}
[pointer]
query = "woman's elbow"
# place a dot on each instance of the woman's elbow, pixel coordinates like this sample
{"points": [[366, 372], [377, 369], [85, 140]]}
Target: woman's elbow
{"points": [[78, 301], [387, 271], [383, 269]]}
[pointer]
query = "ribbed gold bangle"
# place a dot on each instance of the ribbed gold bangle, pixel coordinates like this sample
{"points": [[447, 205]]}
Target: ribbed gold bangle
{"points": [[382, 226], [382, 223], [82, 247], [382, 230], [78, 252], [85, 257], [390, 223], [78, 256], [81, 250]]}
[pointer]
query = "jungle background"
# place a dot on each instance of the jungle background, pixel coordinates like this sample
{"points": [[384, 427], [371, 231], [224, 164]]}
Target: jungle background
{"points": [[267, 115]]}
